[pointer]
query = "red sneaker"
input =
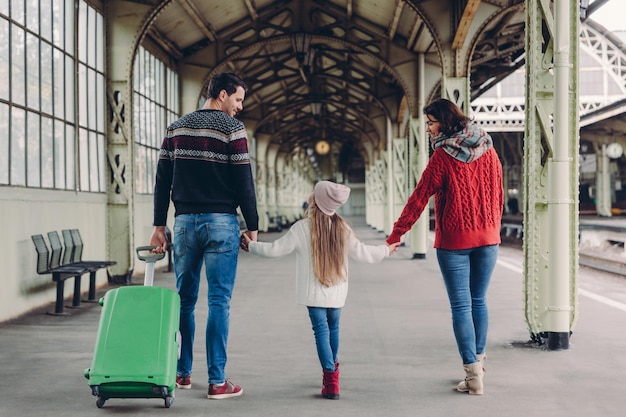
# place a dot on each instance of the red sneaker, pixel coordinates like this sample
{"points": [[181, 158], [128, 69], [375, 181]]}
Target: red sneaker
{"points": [[220, 392], [183, 382]]}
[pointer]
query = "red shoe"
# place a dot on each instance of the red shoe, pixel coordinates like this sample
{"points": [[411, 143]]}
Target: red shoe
{"points": [[330, 383], [220, 392], [183, 382]]}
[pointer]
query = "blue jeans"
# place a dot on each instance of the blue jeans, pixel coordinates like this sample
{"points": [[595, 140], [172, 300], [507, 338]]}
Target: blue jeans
{"points": [[466, 274], [211, 239], [325, 322]]}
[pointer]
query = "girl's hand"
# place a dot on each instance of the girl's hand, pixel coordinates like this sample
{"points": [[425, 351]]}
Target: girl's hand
{"points": [[393, 248]]}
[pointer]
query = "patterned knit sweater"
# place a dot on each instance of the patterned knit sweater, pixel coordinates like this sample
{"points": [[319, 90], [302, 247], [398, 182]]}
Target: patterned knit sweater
{"points": [[204, 165], [468, 201]]}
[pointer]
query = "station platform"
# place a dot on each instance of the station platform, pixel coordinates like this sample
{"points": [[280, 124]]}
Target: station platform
{"points": [[398, 355]]}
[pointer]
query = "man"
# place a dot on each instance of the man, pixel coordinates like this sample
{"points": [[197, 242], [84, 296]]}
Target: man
{"points": [[204, 165]]}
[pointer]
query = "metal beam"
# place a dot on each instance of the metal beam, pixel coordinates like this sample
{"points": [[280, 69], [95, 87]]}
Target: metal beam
{"points": [[465, 23]]}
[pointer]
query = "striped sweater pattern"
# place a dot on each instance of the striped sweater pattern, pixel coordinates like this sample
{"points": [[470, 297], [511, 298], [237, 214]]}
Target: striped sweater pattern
{"points": [[204, 167]]}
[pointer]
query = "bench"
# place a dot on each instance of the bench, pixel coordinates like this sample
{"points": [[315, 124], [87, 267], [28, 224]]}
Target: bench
{"points": [[73, 255], [64, 261], [48, 263]]}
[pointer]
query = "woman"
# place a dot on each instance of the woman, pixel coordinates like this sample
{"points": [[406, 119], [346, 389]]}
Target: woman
{"points": [[465, 176]]}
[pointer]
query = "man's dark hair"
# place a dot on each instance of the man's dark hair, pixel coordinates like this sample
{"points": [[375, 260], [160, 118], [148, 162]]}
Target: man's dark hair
{"points": [[227, 81]]}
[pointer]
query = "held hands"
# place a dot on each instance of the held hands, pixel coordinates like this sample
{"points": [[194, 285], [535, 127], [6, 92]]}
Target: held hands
{"points": [[247, 237], [393, 248]]}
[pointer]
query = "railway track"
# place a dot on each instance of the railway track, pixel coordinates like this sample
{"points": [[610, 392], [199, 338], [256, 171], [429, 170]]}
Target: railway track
{"points": [[586, 259]]}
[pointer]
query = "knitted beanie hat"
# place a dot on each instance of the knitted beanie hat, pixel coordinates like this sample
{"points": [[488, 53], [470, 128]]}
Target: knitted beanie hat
{"points": [[330, 196]]}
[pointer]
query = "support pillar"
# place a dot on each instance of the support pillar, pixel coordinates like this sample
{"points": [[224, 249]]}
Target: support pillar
{"points": [[603, 184], [550, 202], [124, 23], [418, 155], [262, 143]]}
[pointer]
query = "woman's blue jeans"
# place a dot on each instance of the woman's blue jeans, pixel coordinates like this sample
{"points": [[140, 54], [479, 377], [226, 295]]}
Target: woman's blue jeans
{"points": [[212, 240], [325, 322], [466, 274]]}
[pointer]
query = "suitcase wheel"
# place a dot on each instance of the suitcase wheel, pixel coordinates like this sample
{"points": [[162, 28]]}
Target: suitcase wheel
{"points": [[169, 401], [100, 402]]}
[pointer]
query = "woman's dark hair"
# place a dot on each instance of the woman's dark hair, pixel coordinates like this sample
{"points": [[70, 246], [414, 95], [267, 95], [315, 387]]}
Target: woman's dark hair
{"points": [[448, 114], [227, 81]]}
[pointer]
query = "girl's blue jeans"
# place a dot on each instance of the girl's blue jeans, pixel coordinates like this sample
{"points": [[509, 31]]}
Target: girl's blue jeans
{"points": [[325, 322], [212, 240], [466, 274]]}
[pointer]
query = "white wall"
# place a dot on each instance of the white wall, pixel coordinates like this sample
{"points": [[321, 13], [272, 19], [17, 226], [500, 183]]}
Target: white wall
{"points": [[25, 212]]}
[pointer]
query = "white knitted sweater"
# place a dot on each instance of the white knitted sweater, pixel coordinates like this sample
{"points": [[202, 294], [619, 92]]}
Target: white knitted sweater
{"points": [[309, 291]]}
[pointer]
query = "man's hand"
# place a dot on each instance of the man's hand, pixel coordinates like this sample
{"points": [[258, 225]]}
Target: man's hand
{"points": [[247, 237], [159, 239]]}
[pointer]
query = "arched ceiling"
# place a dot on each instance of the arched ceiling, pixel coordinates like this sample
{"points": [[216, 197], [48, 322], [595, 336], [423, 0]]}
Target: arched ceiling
{"points": [[335, 69]]}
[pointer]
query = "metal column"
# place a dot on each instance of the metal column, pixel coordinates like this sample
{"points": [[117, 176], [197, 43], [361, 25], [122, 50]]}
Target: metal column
{"points": [[551, 171]]}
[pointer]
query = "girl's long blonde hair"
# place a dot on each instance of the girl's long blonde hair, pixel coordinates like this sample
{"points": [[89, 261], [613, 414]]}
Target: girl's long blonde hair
{"points": [[329, 237]]}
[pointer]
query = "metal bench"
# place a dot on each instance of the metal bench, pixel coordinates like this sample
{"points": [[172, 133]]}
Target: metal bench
{"points": [[73, 254], [49, 263]]}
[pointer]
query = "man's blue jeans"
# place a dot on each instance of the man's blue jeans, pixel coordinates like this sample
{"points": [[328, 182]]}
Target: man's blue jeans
{"points": [[211, 239], [466, 274], [325, 322]]}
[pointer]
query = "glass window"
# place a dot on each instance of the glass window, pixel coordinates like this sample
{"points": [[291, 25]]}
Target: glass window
{"points": [[94, 153], [46, 20], [69, 29], [102, 161], [32, 15], [5, 69], [70, 156], [4, 144], [18, 147], [40, 92], [33, 151], [83, 152], [58, 83], [32, 71], [58, 23], [82, 29], [155, 106], [47, 88], [70, 87], [59, 154], [47, 153], [18, 77], [17, 11]]}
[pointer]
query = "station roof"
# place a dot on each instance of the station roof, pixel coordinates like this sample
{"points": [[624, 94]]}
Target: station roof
{"points": [[339, 69]]}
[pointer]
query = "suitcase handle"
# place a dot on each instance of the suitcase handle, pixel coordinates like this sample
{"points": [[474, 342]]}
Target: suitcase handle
{"points": [[149, 257]]}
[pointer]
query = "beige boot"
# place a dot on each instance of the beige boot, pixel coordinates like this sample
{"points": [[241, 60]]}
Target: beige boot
{"points": [[473, 382], [481, 358]]}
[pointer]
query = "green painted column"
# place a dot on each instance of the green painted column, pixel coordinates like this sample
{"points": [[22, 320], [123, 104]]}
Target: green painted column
{"points": [[550, 176], [123, 23]]}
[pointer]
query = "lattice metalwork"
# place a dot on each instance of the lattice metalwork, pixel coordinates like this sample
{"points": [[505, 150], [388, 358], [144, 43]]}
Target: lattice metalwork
{"points": [[544, 165], [507, 114]]}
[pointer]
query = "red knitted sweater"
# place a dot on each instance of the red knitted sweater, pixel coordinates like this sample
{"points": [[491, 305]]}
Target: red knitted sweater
{"points": [[468, 201]]}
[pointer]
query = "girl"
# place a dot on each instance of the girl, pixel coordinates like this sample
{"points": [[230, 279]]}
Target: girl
{"points": [[323, 241]]}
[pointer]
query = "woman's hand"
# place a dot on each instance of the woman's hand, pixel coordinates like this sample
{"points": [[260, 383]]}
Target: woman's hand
{"points": [[393, 248]]}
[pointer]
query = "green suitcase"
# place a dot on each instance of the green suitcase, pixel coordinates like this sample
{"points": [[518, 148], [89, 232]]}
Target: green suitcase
{"points": [[137, 344]]}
